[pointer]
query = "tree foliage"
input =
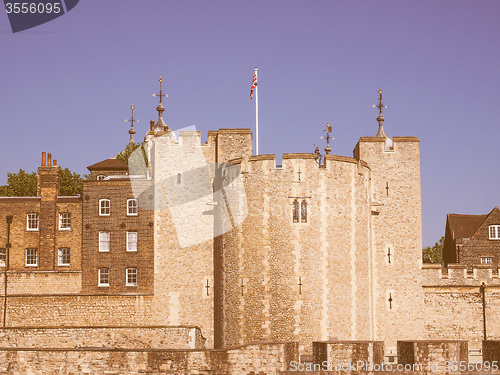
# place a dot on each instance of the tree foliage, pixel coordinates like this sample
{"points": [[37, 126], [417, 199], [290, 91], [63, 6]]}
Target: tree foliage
{"points": [[137, 160], [434, 254], [23, 184]]}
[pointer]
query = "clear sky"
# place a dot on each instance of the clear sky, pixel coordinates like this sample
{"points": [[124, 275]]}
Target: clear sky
{"points": [[66, 86]]}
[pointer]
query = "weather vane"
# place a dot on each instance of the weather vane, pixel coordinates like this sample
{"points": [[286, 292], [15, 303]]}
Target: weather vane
{"points": [[380, 105], [160, 94], [328, 130]]}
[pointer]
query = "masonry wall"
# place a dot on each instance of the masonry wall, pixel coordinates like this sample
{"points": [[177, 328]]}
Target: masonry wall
{"points": [[453, 303], [268, 359], [103, 337], [301, 281]]}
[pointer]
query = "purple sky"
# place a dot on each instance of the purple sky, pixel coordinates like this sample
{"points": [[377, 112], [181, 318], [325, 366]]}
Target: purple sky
{"points": [[67, 86]]}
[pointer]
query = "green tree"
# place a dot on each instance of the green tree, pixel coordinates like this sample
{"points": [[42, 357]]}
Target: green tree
{"points": [[137, 161], [23, 184], [70, 183], [434, 254]]}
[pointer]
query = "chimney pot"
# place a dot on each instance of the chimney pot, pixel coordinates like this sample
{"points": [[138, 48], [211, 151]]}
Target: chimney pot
{"points": [[49, 159], [55, 163], [44, 159]]}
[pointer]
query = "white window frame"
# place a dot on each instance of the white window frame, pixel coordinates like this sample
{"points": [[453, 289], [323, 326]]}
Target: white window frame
{"points": [[3, 257], [131, 207], [494, 232], [486, 260], [104, 210], [32, 218], [102, 275], [103, 240], [29, 256], [131, 277], [65, 216], [130, 241], [61, 256]]}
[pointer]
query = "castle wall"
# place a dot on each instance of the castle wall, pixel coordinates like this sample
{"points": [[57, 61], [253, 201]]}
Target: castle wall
{"points": [[269, 359], [454, 306], [396, 242], [103, 337], [300, 281]]}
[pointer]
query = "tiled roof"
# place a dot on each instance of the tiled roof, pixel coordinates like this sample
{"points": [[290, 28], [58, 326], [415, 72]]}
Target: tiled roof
{"points": [[109, 165], [464, 226]]}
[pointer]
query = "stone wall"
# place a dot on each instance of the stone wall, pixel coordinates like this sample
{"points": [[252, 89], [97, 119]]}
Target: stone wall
{"points": [[263, 359], [103, 337]]}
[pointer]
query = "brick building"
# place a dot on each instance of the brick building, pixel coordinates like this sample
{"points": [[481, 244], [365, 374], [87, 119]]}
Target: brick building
{"points": [[472, 239], [45, 231]]}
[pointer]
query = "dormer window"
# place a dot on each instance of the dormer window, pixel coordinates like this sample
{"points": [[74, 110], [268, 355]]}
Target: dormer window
{"points": [[494, 232], [101, 177]]}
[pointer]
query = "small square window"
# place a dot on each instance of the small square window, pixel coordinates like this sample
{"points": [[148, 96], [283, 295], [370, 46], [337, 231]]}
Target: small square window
{"points": [[64, 255], [132, 207], [64, 221], [494, 232], [104, 240], [131, 241], [104, 207], [3, 257], [103, 277], [131, 276], [31, 257], [486, 260], [32, 221]]}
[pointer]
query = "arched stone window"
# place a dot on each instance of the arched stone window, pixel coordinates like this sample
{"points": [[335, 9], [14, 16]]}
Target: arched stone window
{"points": [[303, 212], [295, 211], [179, 179]]}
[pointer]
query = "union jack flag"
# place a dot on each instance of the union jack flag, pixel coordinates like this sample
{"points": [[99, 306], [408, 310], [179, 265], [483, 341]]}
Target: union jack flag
{"points": [[254, 85]]}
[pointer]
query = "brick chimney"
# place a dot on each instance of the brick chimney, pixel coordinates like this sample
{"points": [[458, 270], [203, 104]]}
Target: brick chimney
{"points": [[48, 178], [48, 190]]}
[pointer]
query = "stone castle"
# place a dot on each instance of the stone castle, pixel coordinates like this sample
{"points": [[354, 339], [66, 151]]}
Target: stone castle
{"points": [[204, 257]]}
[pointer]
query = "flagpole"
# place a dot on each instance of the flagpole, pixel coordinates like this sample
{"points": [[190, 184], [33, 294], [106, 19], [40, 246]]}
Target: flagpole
{"points": [[256, 115]]}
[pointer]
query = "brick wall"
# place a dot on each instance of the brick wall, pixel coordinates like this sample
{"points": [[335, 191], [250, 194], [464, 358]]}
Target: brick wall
{"points": [[118, 223]]}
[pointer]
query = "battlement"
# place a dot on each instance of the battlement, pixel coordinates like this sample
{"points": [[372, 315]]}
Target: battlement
{"points": [[458, 275], [291, 160]]}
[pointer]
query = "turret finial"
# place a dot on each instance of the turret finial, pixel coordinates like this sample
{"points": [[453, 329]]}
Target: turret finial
{"points": [[381, 133], [160, 124]]}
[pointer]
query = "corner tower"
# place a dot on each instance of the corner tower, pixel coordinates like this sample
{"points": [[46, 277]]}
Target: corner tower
{"points": [[396, 233]]}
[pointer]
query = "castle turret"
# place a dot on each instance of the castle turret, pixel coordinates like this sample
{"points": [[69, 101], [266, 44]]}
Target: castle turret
{"points": [[396, 226]]}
